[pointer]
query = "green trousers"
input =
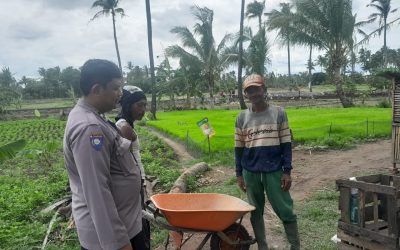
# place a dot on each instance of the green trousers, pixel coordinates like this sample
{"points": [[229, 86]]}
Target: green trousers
{"points": [[259, 184]]}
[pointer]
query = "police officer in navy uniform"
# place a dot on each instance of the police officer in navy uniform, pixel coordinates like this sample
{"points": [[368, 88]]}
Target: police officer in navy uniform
{"points": [[104, 180]]}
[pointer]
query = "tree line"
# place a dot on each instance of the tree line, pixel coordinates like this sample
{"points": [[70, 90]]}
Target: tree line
{"points": [[205, 65]]}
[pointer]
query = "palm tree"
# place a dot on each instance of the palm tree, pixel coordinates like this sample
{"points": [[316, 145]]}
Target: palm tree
{"points": [[109, 6], [153, 107], [256, 10], [257, 53], [330, 25], [202, 51], [310, 67], [356, 30], [255, 56], [383, 9], [240, 59], [282, 20], [322, 61]]}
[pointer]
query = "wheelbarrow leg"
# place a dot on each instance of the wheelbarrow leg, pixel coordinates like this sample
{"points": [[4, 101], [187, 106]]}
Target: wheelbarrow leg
{"points": [[204, 241]]}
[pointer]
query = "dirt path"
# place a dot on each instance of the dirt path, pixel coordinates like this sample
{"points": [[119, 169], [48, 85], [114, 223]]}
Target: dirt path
{"points": [[311, 171], [179, 149], [316, 169]]}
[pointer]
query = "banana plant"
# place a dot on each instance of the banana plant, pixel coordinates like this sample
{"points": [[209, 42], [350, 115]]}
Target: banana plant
{"points": [[9, 150]]}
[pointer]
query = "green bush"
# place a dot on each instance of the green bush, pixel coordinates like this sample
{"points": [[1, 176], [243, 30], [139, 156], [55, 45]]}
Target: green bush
{"points": [[385, 103]]}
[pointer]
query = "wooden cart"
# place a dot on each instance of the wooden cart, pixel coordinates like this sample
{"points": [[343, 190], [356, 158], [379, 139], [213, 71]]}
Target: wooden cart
{"points": [[378, 221]]}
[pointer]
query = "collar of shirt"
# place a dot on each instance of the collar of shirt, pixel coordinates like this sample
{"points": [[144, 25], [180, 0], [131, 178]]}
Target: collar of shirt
{"points": [[85, 105]]}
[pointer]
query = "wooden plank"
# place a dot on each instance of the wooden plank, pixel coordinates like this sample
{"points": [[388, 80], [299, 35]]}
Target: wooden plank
{"points": [[396, 182], [385, 180], [392, 217], [359, 241], [369, 197], [377, 226], [395, 144], [371, 209], [361, 206], [368, 187], [376, 178], [383, 212], [344, 204], [375, 205], [369, 234], [344, 246], [369, 212]]}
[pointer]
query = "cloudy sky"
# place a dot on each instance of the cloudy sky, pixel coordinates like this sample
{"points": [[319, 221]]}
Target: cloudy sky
{"points": [[49, 33]]}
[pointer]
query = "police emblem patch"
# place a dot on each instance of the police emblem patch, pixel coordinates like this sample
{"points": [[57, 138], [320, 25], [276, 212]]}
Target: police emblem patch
{"points": [[97, 141]]}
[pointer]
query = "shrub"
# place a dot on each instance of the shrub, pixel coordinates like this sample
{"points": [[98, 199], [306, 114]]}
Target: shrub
{"points": [[384, 104]]}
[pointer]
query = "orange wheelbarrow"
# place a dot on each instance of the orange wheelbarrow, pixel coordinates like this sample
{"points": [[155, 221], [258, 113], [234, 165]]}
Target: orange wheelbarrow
{"points": [[212, 214]]}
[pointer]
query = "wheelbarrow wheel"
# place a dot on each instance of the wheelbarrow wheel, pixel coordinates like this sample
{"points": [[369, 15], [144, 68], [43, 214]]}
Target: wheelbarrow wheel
{"points": [[233, 232]]}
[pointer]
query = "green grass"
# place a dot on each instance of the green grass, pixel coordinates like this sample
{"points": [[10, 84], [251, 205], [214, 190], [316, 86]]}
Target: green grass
{"points": [[36, 178], [317, 218], [44, 104], [309, 125], [318, 88]]}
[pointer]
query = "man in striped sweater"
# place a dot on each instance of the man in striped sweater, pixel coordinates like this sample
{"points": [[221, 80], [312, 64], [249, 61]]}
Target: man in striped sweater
{"points": [[263, 155]]}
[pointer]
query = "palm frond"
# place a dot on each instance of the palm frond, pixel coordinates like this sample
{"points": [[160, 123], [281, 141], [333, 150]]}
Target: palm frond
{"points": [[378, 7], [100, 13], [377, 32], [222, 43], [188, 39], [120, 11], [176, 51], [99, 3], [255, 9]]}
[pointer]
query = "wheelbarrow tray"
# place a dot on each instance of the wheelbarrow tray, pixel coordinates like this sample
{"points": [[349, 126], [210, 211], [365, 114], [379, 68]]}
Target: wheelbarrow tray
{"points": [[201, 211]]}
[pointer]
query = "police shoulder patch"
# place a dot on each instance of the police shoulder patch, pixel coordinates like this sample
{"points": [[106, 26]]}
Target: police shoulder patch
{"points": [[97, 141]]}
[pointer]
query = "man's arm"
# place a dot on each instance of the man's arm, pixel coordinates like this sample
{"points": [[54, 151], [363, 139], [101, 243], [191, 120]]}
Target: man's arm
{"points": [[92, 152], [239, 147], [286, 147], [285, 141]]}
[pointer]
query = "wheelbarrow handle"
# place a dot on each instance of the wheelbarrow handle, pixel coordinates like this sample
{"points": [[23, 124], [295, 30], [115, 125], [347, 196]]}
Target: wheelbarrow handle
{"points": [[150, 207]]}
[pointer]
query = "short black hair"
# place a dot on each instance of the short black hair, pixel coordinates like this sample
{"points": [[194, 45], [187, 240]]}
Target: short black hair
{"points": [[97, 71]]}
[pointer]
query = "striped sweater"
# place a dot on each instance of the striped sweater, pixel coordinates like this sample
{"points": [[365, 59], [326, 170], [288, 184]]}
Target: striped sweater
{"points": [[263, 141]]}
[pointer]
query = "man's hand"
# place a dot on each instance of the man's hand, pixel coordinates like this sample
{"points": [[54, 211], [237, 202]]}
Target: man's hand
{"points": [[127, 247], [241, 184], [286, 182]]}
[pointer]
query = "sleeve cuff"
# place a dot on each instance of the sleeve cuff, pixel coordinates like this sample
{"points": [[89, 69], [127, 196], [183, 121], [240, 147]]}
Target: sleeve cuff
{"points": [[287, 171]]}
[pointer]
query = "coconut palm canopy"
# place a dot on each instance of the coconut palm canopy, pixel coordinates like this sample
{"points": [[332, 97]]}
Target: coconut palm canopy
{"points": [[96, 39]]}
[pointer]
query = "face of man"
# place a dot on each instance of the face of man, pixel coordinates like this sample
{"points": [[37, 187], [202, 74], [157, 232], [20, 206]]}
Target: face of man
{"points": [[255, 94], [138, 109], [110, 95]]}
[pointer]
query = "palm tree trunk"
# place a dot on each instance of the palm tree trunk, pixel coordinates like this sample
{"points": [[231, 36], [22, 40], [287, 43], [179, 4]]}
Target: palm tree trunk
{"points": [[240, 63], [188, 96], [211, 89], [384, 45], [153, 107], [288, 55], [115, 40], [338, 81], [309, 69]]}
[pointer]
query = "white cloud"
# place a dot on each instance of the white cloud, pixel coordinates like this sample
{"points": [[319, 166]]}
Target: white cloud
{"points": [[48, 33]]}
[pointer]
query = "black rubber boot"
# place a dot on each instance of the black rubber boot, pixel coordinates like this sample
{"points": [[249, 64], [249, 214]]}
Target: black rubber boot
{"points": [[292, 234]]}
